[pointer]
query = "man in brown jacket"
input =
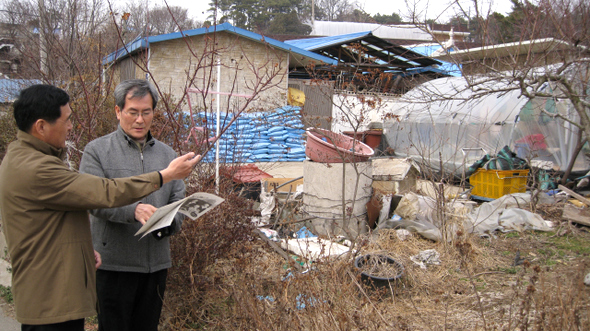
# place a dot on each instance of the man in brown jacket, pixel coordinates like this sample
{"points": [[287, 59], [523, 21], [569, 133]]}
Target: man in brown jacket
{"points": [[44, 217]]}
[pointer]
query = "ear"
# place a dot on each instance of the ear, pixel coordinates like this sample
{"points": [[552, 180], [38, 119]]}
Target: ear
{"points": [[118, 112], [38, 129], [40, 126]]}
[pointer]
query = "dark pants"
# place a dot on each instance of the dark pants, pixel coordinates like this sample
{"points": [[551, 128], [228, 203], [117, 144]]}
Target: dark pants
{"points": [[129, 301], [75, 325]]}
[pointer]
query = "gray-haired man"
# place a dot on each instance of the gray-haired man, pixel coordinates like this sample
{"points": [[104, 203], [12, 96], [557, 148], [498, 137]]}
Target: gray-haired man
{"points": [[132, 278]]}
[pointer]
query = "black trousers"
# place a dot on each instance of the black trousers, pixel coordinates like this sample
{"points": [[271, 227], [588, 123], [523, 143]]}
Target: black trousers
{"points": [[129, 301], [75, 325]]}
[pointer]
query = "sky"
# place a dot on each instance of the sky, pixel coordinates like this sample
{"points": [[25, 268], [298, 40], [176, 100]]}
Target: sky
{"points": [[198, 8]]}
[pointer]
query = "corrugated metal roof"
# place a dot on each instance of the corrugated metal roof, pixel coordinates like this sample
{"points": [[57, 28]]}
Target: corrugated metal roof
{"points": [[508, 49], [325, 28], [143, 43], [10, 88]]}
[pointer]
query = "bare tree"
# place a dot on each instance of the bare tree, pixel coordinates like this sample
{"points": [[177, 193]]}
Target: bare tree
{"points": [[62, 42], [154, 21], [51, 35], [170, 19], [333, 10]]}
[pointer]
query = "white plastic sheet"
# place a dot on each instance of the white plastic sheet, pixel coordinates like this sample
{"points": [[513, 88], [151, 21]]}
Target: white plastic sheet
{"points": [[418, 214], [314, 248]]}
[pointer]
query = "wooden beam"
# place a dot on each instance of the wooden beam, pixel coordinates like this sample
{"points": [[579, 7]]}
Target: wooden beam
{"points": [[576, 215], [574, 194]]}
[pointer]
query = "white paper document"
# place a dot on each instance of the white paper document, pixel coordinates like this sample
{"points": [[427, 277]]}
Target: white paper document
{"points": [[192, 206]]}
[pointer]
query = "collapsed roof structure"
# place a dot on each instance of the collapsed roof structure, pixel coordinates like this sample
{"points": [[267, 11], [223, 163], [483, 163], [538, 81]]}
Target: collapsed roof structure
{"points": [[365, 61]]}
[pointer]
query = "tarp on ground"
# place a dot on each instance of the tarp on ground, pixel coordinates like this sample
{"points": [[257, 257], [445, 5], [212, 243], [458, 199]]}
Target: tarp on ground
{"points": [[419, 214]]}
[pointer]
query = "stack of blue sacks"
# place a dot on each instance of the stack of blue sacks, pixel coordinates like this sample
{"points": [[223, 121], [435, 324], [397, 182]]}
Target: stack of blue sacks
{"points": [[274, 136]]}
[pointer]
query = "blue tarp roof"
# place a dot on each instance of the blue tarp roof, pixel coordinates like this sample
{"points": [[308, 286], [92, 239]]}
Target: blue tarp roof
{"points": [[429, 49], [10, 88], [312, 44], [143, 43]]}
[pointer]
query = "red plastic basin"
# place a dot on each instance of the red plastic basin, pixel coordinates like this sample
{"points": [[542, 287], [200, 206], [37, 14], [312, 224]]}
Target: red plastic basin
{"points": [[330, 147]]}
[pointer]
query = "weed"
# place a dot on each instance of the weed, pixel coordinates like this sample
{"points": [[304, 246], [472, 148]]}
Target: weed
{"points": [[548, 252], [510, 271], [6, 293], [550, 262], [572, 244], [512, 235]]}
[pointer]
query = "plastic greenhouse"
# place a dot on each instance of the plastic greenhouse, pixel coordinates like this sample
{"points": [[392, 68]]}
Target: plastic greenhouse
{"points": [[443, 122]]}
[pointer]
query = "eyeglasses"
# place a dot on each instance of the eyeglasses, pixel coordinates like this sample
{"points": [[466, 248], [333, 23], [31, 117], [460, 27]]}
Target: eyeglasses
{"points": [[135, 114]]}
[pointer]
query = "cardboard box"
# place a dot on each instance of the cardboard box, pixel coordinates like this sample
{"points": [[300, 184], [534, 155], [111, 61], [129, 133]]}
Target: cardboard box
{"points": [[394, 175], [273, 183]]}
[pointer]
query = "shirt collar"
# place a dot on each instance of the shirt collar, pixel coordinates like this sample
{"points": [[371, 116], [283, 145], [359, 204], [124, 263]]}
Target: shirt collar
{"points": [[149, 140]]}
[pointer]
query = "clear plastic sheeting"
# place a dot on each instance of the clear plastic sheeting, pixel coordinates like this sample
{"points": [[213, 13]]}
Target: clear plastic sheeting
{"points": [[444, 123]]}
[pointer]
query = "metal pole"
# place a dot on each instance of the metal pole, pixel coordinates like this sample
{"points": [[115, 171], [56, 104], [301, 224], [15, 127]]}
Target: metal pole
{"points": [[217, 128], [43, 31]]}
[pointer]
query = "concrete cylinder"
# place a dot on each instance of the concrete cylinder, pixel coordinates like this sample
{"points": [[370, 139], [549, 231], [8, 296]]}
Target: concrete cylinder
{"points": [[323, 192]]}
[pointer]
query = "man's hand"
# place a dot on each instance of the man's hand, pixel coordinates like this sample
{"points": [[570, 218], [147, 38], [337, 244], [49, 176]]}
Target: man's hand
{"points": [[97, 259], [143, 212], [180, 167]]}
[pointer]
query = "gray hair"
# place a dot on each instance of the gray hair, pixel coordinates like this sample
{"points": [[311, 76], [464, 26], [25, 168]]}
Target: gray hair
{"points": [[138, 88]]}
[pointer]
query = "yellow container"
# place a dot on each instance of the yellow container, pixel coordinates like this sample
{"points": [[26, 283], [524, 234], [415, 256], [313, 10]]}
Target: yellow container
{"points": [[496, 183]]}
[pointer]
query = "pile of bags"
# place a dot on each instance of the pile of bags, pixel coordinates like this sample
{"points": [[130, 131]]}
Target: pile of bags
{"points": [[274, 136]]}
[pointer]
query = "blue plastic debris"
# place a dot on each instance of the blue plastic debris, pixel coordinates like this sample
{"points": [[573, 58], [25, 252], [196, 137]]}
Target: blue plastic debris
{"points": [[267, 298], [304, 301], [304, 233], [301, 301]]}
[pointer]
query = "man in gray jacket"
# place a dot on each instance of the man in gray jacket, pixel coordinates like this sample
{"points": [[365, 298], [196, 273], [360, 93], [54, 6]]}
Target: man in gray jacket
{"points": [[132, 278]]}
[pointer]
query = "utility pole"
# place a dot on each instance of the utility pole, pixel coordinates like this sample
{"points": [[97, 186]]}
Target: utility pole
{"points": [[312, 13], [43, 26]]}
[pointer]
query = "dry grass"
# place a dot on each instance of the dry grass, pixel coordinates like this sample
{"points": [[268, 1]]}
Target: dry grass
{"points": [[245, 285]]}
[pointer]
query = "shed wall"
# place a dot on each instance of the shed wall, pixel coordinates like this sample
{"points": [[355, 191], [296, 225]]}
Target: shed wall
{"points": [[247, 67]]}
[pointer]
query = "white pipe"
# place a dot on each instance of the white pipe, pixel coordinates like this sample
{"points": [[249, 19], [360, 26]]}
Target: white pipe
{"points": [[147, 75], [217, 129]]}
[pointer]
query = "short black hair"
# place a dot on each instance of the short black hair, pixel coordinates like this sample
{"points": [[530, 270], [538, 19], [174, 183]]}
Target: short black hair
{"points": [[39, 102]]}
